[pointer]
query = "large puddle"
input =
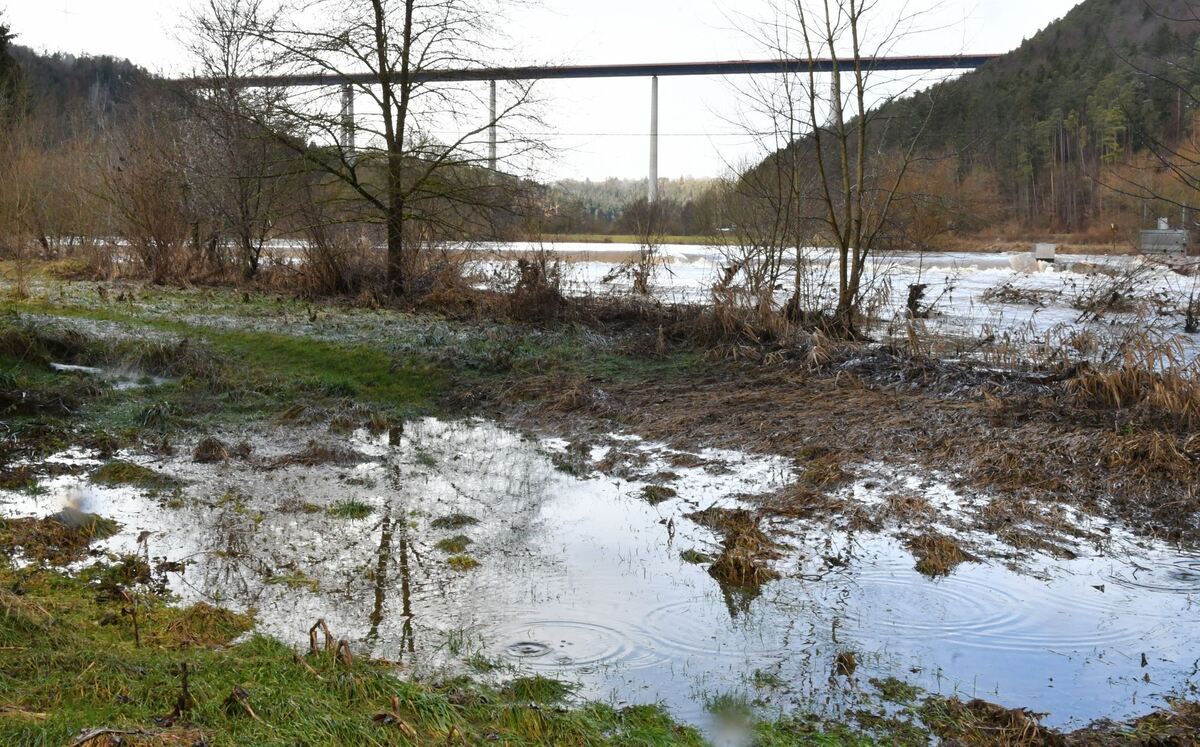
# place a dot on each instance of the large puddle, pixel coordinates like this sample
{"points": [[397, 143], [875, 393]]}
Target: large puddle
{"points": [[580, 577]]}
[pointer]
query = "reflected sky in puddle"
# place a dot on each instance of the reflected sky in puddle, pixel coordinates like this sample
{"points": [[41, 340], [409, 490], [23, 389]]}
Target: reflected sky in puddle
{"points": [[119, 380], [581, 578]]}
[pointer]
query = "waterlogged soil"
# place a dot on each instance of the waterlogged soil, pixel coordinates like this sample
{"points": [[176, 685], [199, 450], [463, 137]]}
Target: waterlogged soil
{"points": [[555, 559]]}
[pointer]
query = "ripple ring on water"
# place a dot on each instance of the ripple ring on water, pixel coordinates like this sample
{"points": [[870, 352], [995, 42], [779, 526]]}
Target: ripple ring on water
{"points": [[559, 644]]}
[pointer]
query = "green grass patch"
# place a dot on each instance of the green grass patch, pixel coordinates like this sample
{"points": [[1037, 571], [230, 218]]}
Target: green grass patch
{"points": [[350, 510], [896, 690], [455, 544], [63, 674], [462, 562], [118, 473], [365, 373], [225, 373], [295, 579], [537, 689], [454, 521]]}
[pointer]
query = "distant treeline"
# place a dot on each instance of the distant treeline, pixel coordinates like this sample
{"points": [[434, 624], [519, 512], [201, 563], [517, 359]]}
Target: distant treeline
{"points": [[686, 207]]}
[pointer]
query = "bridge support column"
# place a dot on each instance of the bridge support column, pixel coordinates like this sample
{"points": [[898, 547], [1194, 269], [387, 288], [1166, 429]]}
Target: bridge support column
{"points": [[835, 99], [347, 118], [492, 128], [652, 187]]}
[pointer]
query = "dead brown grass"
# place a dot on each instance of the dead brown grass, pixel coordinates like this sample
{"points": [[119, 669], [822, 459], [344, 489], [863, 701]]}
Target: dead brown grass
{"points": [[210, 450], [745, 549], [909, 508], [979, 723], [59, 539], [1015, 439], [826, 469], [317, 454], [937, 554], [1150, 382], [203, 625]]}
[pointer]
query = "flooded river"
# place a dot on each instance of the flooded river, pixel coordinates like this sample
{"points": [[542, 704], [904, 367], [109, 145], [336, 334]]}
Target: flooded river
{"points": [[580, 577]]}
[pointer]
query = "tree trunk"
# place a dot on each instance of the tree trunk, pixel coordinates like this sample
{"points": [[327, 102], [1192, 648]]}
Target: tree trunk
{"points": [[396, 249]]}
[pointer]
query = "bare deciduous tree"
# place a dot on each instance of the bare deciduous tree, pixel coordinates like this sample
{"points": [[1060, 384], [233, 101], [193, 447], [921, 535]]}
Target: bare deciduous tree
{"points": [[149, 193], [419, 165], [831, 169], [246, 179]]}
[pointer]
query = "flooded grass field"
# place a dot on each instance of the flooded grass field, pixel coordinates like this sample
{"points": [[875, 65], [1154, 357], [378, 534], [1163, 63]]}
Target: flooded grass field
{"points": [[575, 575], [786, 595]]}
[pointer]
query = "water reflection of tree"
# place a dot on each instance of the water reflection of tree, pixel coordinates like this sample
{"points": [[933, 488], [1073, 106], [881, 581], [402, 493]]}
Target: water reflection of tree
{"points": [[508, 479], [387, 530], [227, 557]]}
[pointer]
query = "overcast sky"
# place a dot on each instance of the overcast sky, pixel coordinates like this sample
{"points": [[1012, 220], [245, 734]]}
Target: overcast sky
{"points": [[597, 126]]}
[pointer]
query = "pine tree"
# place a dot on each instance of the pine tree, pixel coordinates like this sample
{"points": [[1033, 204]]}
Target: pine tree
{"points": [[10, 75]]}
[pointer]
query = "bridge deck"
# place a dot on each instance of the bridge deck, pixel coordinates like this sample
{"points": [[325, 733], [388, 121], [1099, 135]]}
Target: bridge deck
{"points": [[636, 70]]}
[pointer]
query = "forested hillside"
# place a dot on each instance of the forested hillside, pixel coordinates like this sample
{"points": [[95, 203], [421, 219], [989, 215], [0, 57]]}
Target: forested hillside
{"points": [[96, 90], [1045, 126], [9, 73]]}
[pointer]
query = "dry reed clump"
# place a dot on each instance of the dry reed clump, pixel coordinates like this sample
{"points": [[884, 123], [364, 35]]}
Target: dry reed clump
{"points": [[825, 470], [1153, 454], [730, 325], [980, 723], [800, 500], [203, 625], [937, 554], [745, 549], [1178, 726], [656, 494], [318, 454], [1152, 381], [572, 394], [58, 540], [210, 450], [909, 508], [336, 262], [537, 294], [845, 664]]}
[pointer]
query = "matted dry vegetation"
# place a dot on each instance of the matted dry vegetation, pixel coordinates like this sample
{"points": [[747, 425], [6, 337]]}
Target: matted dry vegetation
{"points": [[1114, 440]]}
